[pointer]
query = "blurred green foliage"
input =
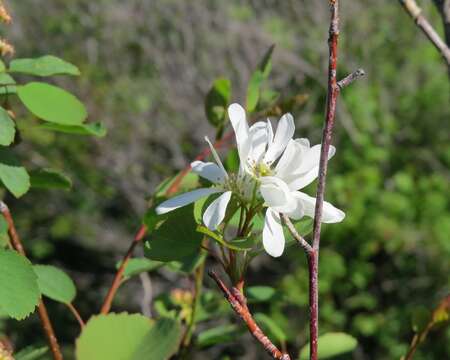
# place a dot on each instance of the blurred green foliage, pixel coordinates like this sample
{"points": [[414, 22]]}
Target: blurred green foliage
{"points": [[385, 262]]}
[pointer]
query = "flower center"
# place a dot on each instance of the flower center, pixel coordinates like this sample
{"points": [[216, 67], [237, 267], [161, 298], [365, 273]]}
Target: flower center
{"points": [[262, 169]]}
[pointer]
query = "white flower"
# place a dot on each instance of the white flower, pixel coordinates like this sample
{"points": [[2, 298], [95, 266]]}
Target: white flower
{"points": [[297, 166], [215, 173]]}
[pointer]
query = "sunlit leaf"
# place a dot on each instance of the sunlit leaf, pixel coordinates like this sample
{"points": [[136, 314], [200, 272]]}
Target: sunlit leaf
{"points": [[55, 283], [260, 293], [331, 344], [47, 65], [51, 103], [253, 90], [13, 176], [7, 128], [19, 293], [217, 101]]}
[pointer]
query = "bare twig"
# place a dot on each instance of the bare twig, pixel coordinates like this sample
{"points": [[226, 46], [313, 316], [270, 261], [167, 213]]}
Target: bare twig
{"points": [[76, 314], [238, 303], [415, 12], [119, 274], [42, 310], [350, 78], [303, 243]]}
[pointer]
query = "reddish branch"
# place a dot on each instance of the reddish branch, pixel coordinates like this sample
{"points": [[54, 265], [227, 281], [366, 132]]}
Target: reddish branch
{"points": [[415, 12], [239, 304], [42, 310]]}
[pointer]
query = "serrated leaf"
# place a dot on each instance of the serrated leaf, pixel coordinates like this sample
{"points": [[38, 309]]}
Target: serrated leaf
{"points": [[19, 293], [136, 266], [55, 283], [13, 176], [49, 179], [217, 101], [127, 337], [51, 103], [218, 335], [253, 90], [260, 293], [331, 344], [176, 238], [7, 128], [31, 353], [270, 327], [47, 65], [95, 129]]}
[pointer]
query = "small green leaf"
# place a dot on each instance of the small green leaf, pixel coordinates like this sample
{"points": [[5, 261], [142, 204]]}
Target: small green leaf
{"points": [[19, 293], [243, 245], [55, 283], [7, 128], [96, 129], [217, 101], [127, 337], [47, 65], [260, 293], [253, 90], [136, 266], [232, 161], [187, 183], [270, 327], [265, 66], [51, 103], [31, 353], [176, 238], [218, 335], [49, 179], [13, 176], [331, 344]]}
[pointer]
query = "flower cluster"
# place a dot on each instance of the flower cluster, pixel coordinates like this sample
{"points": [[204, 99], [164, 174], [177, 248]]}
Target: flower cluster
{"points": [[273, 168]]}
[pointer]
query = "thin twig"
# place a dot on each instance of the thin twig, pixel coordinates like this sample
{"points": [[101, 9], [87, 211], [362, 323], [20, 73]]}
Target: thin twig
{"points": [[415, 12], [119, 274], [303, 243], [76, 314], [42, 310], [355, 75], [239, 306]]}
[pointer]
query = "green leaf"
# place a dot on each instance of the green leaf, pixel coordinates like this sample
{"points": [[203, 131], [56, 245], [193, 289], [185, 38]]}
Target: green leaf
{"points": [[187, 264], [55, 283], [217, 101], [270, 327], [331, 344], [232, 161], [49, 179], [260, 293], [7, 84], [96, 129], [31, 353], [7, 128], [127, 337], [176, 238], [253, 90], [136, 266], [242, 245], [218, 335], [188, 182], [14, 177], [420, 319], [51, 103], [2, 66], [47, 65], [265, 66], [19, 292]]}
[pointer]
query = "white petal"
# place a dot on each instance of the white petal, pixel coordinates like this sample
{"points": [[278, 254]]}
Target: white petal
{"points": [[284, 133], [236, 113], [330, 214], [258, 140], [269, 132], [216, 157], [277, 194], [312, 158], [291, 159], [209, 171], [184, 199], [298, 212], [273, 236], [297, 182], [215, 212]]}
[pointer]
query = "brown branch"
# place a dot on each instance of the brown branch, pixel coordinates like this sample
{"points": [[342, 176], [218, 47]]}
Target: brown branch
{"points": [[42, 310], [303, 243], [119, 274], [415, 12], [76, 314], [355, 75], [239, 305]]}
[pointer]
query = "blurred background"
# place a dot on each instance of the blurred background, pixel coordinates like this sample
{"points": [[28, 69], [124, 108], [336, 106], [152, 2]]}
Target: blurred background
{"points": [[146, 67]]}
